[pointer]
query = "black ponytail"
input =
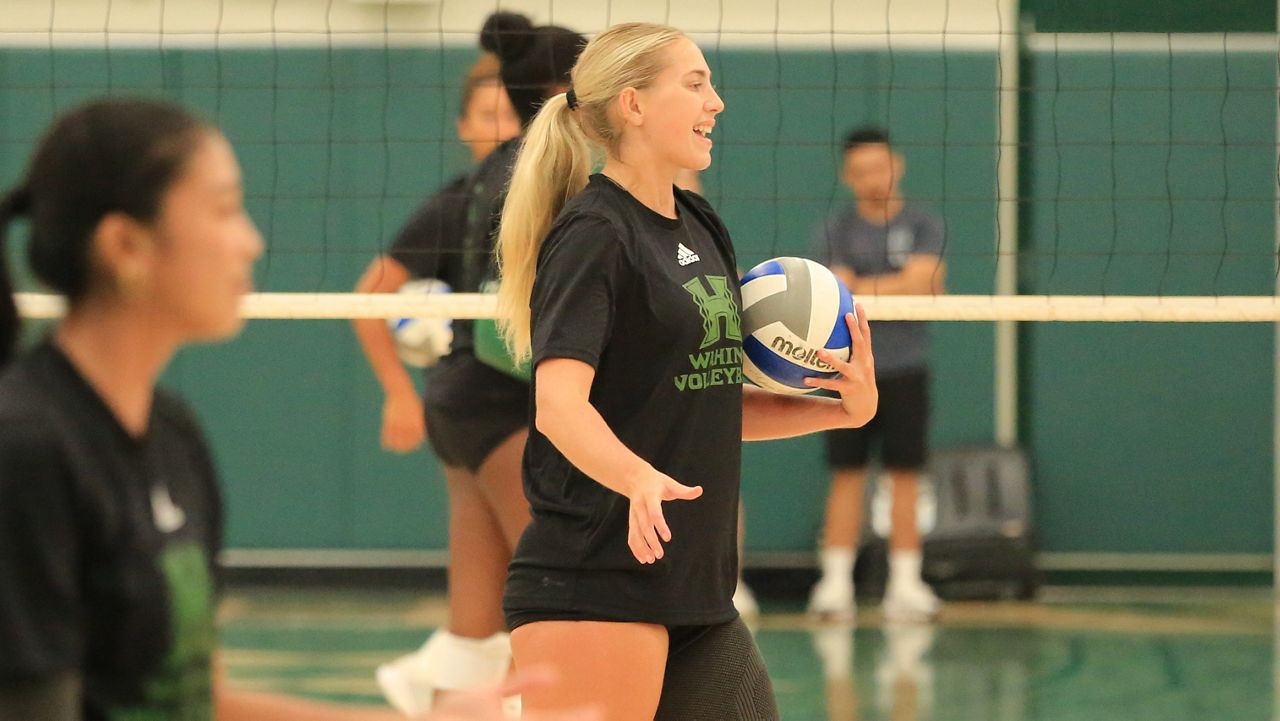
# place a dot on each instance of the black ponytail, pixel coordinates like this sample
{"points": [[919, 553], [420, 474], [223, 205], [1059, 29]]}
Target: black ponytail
{"points": [[534, 59], [508, 35], [14, 204]]}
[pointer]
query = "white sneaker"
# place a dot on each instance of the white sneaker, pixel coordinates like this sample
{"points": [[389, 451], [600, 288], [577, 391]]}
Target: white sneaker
{"points": [[745, 601], [910, 602], [832, 600], [444, 663], [406, 682]]}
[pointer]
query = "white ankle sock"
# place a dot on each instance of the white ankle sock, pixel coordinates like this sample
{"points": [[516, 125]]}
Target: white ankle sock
{"points": [[837, 564], [469, 663], [904, 568]]}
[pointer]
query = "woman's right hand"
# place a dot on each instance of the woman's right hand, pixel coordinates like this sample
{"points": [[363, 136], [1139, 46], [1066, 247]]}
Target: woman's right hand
{"points": [[647, 528], [403, 426]]}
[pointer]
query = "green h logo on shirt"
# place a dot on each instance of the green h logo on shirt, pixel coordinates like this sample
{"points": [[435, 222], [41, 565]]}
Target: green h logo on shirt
{"points": [[713, 306]]}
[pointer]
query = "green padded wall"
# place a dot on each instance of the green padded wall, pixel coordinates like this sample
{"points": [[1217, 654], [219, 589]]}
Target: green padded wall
{"points": [[1150, 437]]}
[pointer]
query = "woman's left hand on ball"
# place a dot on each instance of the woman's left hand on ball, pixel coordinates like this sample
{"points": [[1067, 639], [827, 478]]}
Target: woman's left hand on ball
{"points": [[856, 383]]}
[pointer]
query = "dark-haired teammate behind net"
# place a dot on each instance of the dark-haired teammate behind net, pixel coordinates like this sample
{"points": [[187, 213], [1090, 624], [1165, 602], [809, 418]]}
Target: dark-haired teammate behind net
{"points": [[110, 514], [430, 245], [476, 415]]}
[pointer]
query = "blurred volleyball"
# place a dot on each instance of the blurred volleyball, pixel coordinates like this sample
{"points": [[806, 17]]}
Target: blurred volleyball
{"points": [[420, 342], [791, 309]]}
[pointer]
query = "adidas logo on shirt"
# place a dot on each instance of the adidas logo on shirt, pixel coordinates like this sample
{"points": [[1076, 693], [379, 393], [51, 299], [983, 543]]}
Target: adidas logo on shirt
{"points": [[684, 256]]}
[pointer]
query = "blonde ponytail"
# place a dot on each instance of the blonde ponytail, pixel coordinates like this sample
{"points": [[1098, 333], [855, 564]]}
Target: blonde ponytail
{"points": [[555, 160], [553, 166]]}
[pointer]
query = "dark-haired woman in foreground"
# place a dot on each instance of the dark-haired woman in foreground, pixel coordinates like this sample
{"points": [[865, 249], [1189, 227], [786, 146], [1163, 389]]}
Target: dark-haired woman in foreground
{"points": [[110, 516]]}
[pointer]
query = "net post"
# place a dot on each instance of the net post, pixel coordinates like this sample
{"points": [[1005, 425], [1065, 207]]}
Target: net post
{"points": [[1275, 383], [1275, 377], [1006, 332]]}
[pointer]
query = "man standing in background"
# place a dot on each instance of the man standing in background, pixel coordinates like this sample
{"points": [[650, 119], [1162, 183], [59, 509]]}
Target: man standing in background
{"points": [[881, 245]]}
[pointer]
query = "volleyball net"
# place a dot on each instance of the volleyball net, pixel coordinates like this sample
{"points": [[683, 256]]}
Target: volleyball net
{"points": [[1063, 164]]}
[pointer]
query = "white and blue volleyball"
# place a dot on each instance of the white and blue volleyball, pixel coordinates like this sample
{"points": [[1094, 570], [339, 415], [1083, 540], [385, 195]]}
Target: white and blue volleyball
{"points": [[420, 342], [791, 309]]}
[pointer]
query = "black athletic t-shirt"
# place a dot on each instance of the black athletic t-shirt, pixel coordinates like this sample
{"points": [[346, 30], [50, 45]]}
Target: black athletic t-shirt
{"points": [[488, 190], [451, 236], [107, 546], [433, 244], [652, 303], [430, 243], [460, 382]]}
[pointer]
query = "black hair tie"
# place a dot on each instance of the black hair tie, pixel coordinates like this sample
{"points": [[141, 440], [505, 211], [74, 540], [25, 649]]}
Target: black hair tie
{"points": [[571, 98], [15, 203]]}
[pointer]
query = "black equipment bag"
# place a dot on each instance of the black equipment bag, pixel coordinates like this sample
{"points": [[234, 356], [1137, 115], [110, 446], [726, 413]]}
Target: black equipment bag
{"points": [[981, 546]]}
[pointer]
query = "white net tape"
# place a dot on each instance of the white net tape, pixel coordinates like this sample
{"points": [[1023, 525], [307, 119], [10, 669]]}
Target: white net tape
{"points": [[1112, 309]]}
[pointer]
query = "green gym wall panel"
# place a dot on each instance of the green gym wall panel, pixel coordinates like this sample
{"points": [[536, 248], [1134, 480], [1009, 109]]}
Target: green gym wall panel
{"points": [[1152, 438]]}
